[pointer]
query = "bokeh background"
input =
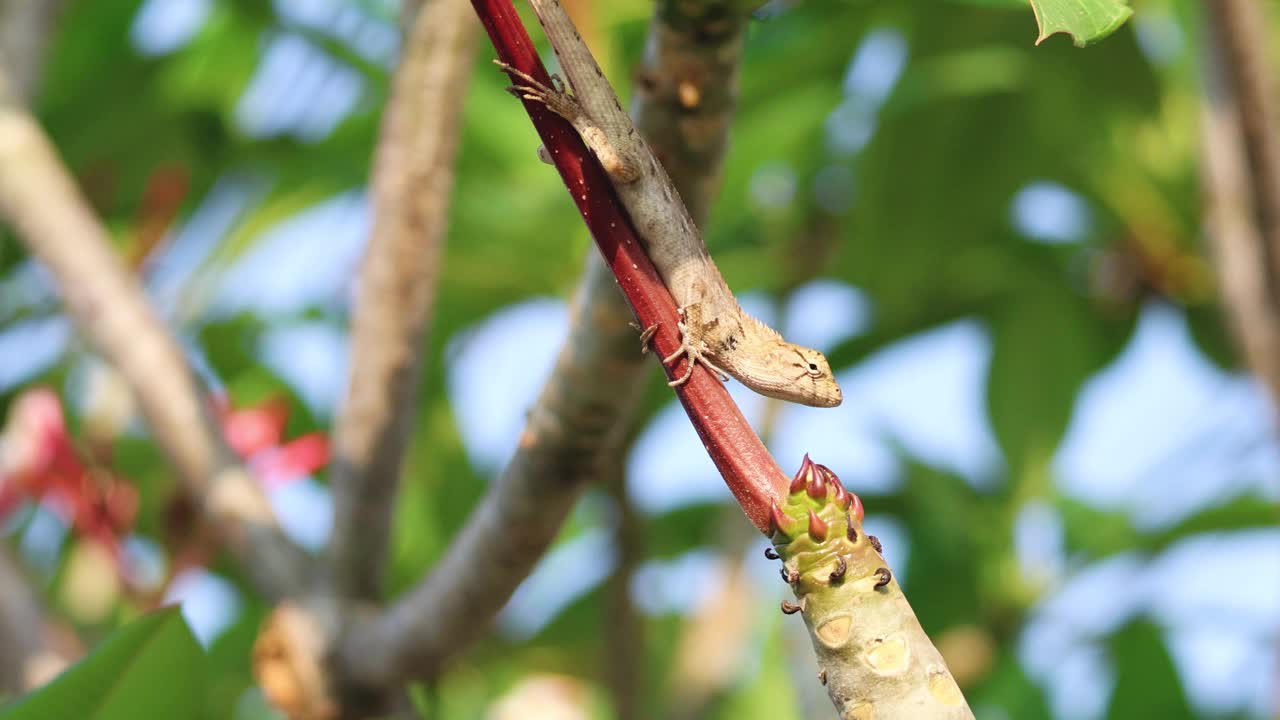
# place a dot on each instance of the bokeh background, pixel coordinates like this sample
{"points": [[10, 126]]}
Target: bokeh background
{"points": [[999, 246]]}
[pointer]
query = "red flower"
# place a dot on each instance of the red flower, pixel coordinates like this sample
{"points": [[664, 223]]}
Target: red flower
{"points": [[255, 433], [38, 461]]}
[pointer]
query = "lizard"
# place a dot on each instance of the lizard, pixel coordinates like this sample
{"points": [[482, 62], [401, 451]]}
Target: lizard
{"points": [[714, 330]]}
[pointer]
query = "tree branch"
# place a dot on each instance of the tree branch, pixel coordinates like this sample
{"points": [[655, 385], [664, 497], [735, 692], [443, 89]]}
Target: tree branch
{"points": [[570, 427], [624, 667], [23, 652], [39, 198], [1241, 149], [412, 184], [25, 29], [514, 522], [1240, 29]]}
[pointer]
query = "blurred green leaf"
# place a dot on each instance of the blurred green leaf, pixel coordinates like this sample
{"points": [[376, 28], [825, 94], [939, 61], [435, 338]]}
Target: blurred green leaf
{"points": [[1241, 513], [1008, 692], [770, 688], [1098, 533], [1147, 683], [948, 524], [1034, 374], [151, 668]]}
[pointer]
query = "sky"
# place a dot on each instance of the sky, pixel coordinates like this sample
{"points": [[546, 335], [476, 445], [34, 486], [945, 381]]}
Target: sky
{"points": [[1158, 434]]}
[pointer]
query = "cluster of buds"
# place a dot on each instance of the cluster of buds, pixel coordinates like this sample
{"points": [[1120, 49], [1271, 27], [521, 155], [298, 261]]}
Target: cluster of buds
{"points": [[816, 532], [816, 504]]}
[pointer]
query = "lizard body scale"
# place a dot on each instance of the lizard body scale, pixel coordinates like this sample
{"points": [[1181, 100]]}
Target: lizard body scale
{"points": [[714, 329]]}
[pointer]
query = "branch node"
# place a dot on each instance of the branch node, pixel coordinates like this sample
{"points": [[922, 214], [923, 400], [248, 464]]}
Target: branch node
{"points": [[838, 574], [884, 577]]}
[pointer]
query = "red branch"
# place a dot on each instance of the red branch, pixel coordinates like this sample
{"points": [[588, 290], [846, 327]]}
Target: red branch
{"points": [[748, 468]]}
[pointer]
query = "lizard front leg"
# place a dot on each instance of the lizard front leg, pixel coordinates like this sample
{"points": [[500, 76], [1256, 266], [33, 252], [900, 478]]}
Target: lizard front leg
{"points": [[688, 347], [563, 104], [693, 349]]}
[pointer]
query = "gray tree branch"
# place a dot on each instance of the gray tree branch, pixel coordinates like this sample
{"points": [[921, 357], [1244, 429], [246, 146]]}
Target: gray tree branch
{"points": [[23, 650], [1241, 185], [25, 29], [517, 519], [412, 183]]}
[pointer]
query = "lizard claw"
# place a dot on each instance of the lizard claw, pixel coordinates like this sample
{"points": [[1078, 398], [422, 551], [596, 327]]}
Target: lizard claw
{"points": [[694, 355], [518, 73], [555, 100], [646, 334]]}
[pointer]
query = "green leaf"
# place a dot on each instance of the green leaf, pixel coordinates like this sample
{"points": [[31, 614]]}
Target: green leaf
{"points": [[1147, 683], [1009, 688], [151, 668], [1035, 375], [1086, 21]]}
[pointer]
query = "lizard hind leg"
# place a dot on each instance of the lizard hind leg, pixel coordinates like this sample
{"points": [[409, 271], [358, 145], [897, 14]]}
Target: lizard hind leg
{"points": [[556, 97], [559, 101]]}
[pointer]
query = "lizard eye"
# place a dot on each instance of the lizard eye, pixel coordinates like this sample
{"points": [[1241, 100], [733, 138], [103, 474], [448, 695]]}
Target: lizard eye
{"points": [[813, 370]]}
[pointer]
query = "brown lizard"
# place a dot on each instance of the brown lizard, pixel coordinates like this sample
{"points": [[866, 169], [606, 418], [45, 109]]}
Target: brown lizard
{"points": [[714, 329]]}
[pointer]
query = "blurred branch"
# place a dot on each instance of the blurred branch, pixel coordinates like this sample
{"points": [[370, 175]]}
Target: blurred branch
{"points": [[686, 92], [412, 183], [577, 417], [40, 199], [1238, 249], [1241, 146], [714, 640], [684, 104], [25, 29], [22, 645], [1240, 30], [517, 519], [625, 672]]}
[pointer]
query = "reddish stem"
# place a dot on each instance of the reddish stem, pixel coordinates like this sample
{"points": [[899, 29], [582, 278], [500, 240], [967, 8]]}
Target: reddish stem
{"points": [[748, 468]]}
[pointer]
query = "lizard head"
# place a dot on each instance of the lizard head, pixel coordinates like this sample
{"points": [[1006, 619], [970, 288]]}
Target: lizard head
{"points": [[813, 378], [788, 372]]}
